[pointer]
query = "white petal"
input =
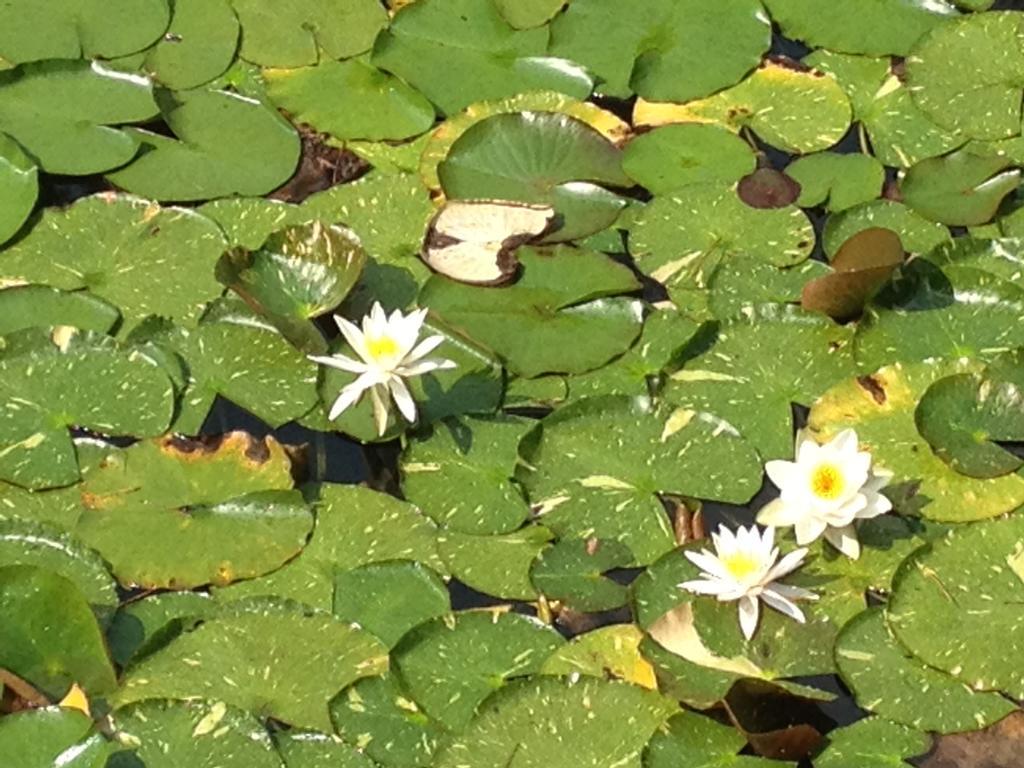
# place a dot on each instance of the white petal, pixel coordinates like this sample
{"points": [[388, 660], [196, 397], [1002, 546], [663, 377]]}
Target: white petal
{"points": [[844, 442], [790, 592], [341, 362], [782, 605], [380, 408], [424, 348], [748, 615], [708, 563], [779, 514], [845, 540], [787, 564], [706, 586], [846, 513], [807, 448], [425, 366], [782, 473], [349, 394], [876, 505], [402, 398], [808, 529], [355, 338]]}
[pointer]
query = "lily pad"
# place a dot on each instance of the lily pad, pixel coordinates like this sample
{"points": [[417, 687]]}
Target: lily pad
{"points": [[543, 158], [124, 246], [550, 722], [960, 189], [743, 282], [495, 565], [28, 306], [836, 181], [880, 407], [792, 107], [675, 156], [663, 50], [981, 565], [366, 103], [614, 650], [62, 113], [702, 742], [563, 314], [317, 750], [142, 627], [528, 14], [49, 635], [167, 734], [199, 45], [226, 144], [572, 572], [918, 234], [457, 52], [893, 684], [39, 738], [452, 664], [295, 33], [19, 186], [276, 658], [873, 739]]}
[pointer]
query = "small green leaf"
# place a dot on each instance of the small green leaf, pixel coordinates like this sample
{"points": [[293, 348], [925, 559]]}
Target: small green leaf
{"points": [[836, 181], [572, 572], [675, 156], [960, 189], [199, 45]]}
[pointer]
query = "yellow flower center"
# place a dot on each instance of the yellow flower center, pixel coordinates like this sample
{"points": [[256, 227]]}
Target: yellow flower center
{"points": [[740, 565], [383, 346], [827, 482]]}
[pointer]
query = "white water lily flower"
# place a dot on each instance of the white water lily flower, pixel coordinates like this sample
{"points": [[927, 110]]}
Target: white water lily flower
{"points": [[391, 352], [745, 566], [825, 490]]}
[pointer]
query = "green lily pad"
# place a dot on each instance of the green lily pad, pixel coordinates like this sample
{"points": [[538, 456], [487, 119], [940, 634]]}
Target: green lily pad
{"points": [[881, 408], [355, 527], [61, 113], [683, 238], [572, 572], [792, 107], [49, 635], [145, 626], [613, 649], [918, 234], [960, 189], [168, 734], [562, 315], [389, 599], [663, 50], [25, 542], [547, 722], [701, 742], [872, 741], [296, 33], [276, 658], [461, 474], [754, 366], [836, 181], [981, 565], [29, 306], [675, 156], [43, 738], [73, 29], [200, 44], [49, 387], [298, 273], [317, 750], [59, 508], [19, 186], [451, 665], [872, 27], [124, 246], [893, 684], [743, 282], [369, 104], [495, 565], [543, 158], [456, 52], [965, 74], [226, 144], [528, 14], [1003, 257], [247, 222]]}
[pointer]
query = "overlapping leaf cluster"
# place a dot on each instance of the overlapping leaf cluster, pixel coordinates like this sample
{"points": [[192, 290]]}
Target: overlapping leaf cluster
{"points": [[737, 233]]}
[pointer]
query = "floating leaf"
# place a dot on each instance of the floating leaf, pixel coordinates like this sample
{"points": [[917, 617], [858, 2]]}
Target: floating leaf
{"points": [[836, 181], [277, 658], [790, 106], [892, 683], [60, 112], [702, 742], [550, 722], [743, 282], [452, 664], [663, 50], [226, 144], [142, 627], [872, 741], [124, 247], [917, 234], [531, 13], [960, 189], [459, 51], [42, 738], [562, 315], [542, 158], [49, 635], [572, 572], [19, 187], [294, 34], [28, 306], [200, 44], [979, 564], [881, 408], [366, 103], [614, 649], [316, 750], [495, 565], [168, 734], [675, 156]]}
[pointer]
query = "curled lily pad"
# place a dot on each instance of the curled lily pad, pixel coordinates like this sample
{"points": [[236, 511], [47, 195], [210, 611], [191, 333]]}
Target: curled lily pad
{"points": [[39, 738], [49, 635], [566, 296], [277, 658], [200, 44], [19, 186], [918, 234], [982, 565], [30, 31], [28, 306], [61, 112], [892, 683], [226, 144], [790, 106], [675, 156], [543, 158], [959, 189], [457, 52], [294, 34], [836, 181], [369, 104]]}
